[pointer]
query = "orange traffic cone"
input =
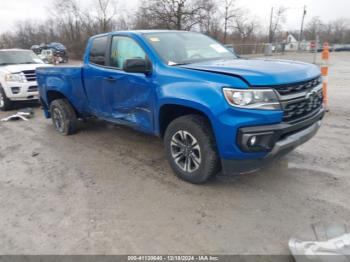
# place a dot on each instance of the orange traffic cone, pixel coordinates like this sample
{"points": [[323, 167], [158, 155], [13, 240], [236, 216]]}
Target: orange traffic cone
{"points": [[324, 72]]}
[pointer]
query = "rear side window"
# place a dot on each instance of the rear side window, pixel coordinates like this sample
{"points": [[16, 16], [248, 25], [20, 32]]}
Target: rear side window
{"points": [[98, 50]]}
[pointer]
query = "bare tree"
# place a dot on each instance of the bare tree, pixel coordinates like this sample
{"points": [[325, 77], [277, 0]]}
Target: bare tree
{"points": [[75, 25], [245, 25], [208, 20], [229, 13], [6, 40], [339, 30], [169, 14], [72, 24], [277, 19], [69, 18], [313, 28], [106, 11]]}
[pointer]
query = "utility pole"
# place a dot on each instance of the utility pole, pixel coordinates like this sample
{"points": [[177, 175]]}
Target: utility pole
{"points": [[316, 47], [302, 27], [226, 22], [270, 28]]}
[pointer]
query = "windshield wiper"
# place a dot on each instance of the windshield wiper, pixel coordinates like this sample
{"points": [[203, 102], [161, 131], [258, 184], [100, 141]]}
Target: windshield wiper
{"points": [[179, 64]]}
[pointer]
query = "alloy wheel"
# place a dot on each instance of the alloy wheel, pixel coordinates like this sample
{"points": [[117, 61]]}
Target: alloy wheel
{"points": [[186, 151], [58, 120]]}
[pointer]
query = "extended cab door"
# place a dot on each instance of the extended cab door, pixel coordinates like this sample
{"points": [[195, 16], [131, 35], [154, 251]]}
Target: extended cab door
{"points": [[122, 97], [95, 75]]}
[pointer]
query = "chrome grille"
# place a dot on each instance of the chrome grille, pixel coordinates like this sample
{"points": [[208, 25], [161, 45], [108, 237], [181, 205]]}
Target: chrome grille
{"points": [[289, 89], [33, 89], [30, 75], [299, 109]]}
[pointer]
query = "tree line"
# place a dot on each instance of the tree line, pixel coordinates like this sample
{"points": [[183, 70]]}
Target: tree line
{"points": [[72, 24]]}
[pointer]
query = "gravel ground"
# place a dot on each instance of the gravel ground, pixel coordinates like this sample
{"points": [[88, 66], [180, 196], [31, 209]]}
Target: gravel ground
{"points": [[109, 190]]}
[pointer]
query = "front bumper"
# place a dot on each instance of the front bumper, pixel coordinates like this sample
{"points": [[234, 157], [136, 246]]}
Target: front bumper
{"points": [[287, 136], [26, 91]]}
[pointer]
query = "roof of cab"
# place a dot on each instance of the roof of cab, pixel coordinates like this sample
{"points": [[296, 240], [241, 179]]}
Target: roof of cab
{"points": [[139, 32]]}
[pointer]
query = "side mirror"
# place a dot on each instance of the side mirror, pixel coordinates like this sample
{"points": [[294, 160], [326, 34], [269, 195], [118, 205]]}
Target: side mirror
{"points": [[137, 65]]}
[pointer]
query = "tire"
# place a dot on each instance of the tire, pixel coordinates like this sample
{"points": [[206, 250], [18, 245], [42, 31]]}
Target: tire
{"points": [[5, 103], [191, 149], [63, 117]]}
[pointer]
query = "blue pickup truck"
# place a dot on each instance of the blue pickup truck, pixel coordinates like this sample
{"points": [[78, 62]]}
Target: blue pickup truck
{"points": [[215, 112]]}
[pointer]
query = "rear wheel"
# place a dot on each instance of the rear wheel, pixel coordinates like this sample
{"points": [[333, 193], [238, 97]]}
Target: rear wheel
{"points": [[63, 117], [5, 103], [191, 149]]}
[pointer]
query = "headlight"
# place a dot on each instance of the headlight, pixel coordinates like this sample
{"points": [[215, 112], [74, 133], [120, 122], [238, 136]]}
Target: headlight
{"points": [[252, 98], [15, 77]]}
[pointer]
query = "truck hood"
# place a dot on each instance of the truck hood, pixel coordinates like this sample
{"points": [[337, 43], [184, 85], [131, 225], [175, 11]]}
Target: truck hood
{"points": [[20, 68], [260, 72]]}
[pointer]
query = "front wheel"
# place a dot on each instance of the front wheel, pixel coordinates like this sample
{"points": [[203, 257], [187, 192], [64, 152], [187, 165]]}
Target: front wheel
{"points": [[63, 116], [191, 149], [5, 103]]}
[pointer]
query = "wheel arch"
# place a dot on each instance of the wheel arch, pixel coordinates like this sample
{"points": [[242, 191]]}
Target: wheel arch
{"points": [[52, 95], [170, 111]]}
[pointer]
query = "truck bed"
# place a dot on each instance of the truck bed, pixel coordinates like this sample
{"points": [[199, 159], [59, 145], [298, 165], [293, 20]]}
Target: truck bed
{"points": [[65, 80]]}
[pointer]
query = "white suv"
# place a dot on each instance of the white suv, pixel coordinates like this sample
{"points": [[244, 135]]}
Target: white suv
{"points": [[17, 76]]}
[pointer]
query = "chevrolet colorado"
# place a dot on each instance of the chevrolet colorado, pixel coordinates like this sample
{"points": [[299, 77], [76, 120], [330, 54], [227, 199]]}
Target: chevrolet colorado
{"points": [[215, 111]]}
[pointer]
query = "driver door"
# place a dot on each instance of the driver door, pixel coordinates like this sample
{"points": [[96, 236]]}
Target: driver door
{"points": [[129, 96]]}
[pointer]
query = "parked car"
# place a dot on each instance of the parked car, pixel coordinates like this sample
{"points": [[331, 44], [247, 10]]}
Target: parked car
{"points": [[17, 76], [59, 51], [213, 110], [47, 56], [342, 48], [320, 49], [36, 49]]}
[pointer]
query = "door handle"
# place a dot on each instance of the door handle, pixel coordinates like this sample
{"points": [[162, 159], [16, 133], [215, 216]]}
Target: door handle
{"points": [[110, 79]]}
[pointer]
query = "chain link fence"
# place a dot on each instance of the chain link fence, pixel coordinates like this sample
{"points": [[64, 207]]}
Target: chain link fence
{"points": [[307, 52]]}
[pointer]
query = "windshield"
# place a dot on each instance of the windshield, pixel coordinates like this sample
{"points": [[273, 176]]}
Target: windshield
{"points": [[19, 57], [187, 47]]}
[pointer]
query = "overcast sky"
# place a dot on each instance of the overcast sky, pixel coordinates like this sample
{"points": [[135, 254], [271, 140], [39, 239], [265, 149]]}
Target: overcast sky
{"points": [[14, 10]]}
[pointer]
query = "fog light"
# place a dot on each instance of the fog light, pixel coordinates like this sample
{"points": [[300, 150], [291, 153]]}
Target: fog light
{"points": [[15, 90], [256, 141], [252, 141]]}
